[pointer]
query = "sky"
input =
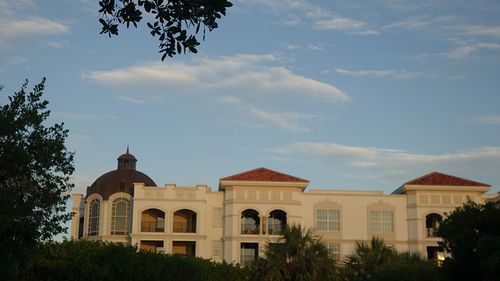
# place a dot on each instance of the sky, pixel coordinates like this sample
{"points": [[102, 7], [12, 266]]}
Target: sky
{"points": [[361, 95]]}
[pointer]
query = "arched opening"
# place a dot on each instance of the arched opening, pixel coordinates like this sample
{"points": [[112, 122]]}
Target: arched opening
{"points": [[432, 222], [250, 222], [153, 220], [120, 214], [184, 221], [93, 223], [276, 222]]}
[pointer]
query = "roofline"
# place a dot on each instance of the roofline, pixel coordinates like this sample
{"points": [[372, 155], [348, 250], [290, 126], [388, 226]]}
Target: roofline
{"points": [[409, 187], [223, 183]]}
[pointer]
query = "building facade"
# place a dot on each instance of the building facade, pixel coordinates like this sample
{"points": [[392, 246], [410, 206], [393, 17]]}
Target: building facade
{"points": [[250, 209]]}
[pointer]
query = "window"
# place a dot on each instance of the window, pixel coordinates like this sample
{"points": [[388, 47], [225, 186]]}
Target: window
{"points": [[185, 248], [381, 221], [432, 222], [328, 220], [250, 222], [119, 217], [276, 222], [217, 217], [217, 249], [152, 220], [93, 227], [152, 246], [184, 221], [334, 250], [249, 253]]}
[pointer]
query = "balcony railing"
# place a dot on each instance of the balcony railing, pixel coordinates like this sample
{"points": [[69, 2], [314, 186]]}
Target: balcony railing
{"points": [[275, 229], [249, 228], [185, 227], [147, 226], [432, 232]]}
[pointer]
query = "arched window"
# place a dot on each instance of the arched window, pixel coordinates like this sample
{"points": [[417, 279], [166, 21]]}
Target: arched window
{"points": [[276, 222], [184, 221], [432, 222], [93, 227], [152, 220], [120, 217], [250, 222]]}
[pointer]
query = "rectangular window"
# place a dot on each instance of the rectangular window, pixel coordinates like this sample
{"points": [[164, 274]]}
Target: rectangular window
{"points": [[248, 253], [381, 221], [217, 217], [217, 249], [328, 220], [334, 250]]}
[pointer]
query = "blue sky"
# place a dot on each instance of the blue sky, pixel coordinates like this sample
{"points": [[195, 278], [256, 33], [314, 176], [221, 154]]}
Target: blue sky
{"points": [[347, 94]]}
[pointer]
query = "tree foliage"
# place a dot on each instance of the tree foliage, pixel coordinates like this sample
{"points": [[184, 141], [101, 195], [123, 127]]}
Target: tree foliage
{"points": [[377, 261], [471, 235], [34, 176], [97, 260], [298, 256], [176, 22]]}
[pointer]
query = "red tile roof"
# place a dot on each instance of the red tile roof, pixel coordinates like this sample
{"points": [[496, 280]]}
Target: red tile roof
{"points": [[436, 178], [263, 174]]}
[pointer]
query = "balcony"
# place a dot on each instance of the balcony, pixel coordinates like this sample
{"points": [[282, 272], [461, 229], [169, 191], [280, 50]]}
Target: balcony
{"points": [[184, 227], [184, 221], [249, 228], [432, 232], [151, 227]]}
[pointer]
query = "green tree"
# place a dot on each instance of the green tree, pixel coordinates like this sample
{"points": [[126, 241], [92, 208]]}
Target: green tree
{"points": [[366, 259], [176, 22], [104, 261], [34, 177], [298, 256], [471, 235], [376, 261]]}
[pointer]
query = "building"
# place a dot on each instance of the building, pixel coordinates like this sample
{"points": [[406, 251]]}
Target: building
{"points": [[235, 222]]}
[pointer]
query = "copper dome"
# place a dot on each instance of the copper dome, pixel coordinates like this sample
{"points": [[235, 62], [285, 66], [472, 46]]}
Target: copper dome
{"points": [[120, 180]]}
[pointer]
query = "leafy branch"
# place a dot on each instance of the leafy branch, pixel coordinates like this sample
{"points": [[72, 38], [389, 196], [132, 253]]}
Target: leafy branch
{"points": [[177, 23]]}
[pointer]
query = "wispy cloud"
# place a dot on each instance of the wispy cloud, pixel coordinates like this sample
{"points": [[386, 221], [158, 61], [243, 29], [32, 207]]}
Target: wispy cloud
{"points": [[373, 157], [131, 100], [310, 46], [493, 119], [81, 117], [396, 74], [302, 12], [31, 27], [254, 73], [462, 52], [348, 25], [479, 30], [285, 120]]}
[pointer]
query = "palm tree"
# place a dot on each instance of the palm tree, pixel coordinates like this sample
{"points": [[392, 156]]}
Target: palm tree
{"points": [[367, 258], [299, 255]]}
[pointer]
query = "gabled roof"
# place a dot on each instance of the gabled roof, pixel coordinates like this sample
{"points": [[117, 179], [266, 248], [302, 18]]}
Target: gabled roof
{"points": [[436, 178], [263, 174]]}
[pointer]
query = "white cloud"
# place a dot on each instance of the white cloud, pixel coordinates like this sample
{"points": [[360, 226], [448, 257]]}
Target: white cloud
{"points": [[348, 25], [285, 120], [30, 27], [487, 119], [368, 157], [80, 117], [465, 51], [9, 8], [252, 73], [479, 30], [396, 74], [131, 100], [297, 12]]}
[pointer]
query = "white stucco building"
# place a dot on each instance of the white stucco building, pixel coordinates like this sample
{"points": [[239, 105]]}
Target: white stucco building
{"points": [[235, 222]]}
